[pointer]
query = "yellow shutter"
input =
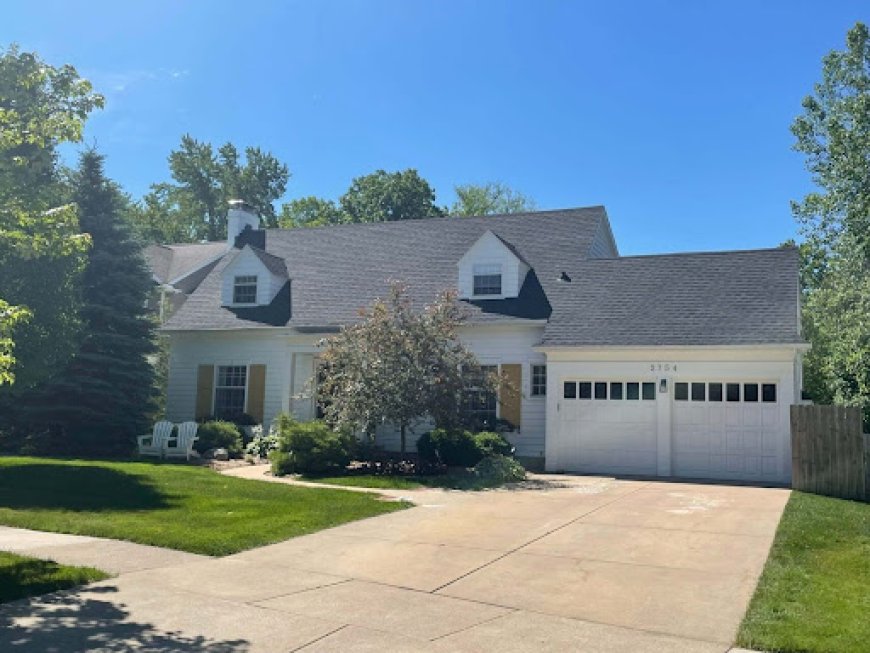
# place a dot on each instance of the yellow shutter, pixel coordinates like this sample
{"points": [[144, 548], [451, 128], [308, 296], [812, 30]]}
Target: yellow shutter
{"points": [[511, 393], [204, 391], [256, 391]]}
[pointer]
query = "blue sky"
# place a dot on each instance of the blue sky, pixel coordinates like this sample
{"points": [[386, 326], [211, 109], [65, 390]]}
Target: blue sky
{"points": [[674, 115]]}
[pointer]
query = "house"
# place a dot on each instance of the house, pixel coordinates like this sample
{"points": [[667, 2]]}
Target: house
{"points": [[670, 365]]}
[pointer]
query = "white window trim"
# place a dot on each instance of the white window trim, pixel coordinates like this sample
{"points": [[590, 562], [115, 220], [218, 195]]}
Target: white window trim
{"points": [[214, 385], [256, 285]]}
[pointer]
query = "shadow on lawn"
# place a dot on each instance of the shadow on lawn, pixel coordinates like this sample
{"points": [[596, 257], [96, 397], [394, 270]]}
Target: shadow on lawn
{"points": [[71, 622], [76, 487]]}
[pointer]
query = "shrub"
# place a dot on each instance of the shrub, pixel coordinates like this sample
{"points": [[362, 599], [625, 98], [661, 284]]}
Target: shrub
{"points": [[219, 434], [489, 444], [453, 448], [309, 448], [498, 469], [262, 444]]}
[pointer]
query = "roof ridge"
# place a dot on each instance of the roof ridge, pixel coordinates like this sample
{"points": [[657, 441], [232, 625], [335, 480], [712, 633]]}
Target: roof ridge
{"points": [[718, 252], [430, 219]]}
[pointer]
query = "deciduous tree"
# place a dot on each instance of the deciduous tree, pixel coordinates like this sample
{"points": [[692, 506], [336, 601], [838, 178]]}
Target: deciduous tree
{"points": [[386, 196], [834, 134], [309, 212], [41, 249], [398, 365], [491, 198]]}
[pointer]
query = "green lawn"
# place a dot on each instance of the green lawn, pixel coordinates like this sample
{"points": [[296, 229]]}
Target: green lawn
{"points": [[21, 577], [177, 506], [814, 594]]}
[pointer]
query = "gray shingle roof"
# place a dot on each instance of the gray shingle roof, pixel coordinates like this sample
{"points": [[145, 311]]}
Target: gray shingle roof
{"points": [[684, 299], [171, 262], [716, 298]]}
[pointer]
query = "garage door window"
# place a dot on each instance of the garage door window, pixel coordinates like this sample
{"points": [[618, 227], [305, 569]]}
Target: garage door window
{"points": [[569, 390], [616, 391], [600, 390], [713, 392], [733, 392], [750, 392], [585, 390], [632, 391], [649, 391]]}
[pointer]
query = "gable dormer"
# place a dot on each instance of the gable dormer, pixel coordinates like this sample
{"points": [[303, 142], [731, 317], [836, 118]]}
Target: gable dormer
{"points": [[252, 278], [491, 269]]}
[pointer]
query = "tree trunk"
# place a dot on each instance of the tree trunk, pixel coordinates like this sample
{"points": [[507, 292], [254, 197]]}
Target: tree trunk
{"points": [[402, 431]]}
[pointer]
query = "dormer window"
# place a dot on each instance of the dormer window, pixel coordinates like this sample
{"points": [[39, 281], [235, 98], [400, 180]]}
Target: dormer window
{"points": [[245, 289], [487, 280]]}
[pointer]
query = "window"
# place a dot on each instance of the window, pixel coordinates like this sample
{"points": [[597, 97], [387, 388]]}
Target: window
{"points": [[480, 403], [569, 390], [732, 392], [649, 391], [585, 390], [632, 391], [715, 392], [245, 290], [768, 392], [487, 280], [699, 392], [539, 380], [229, 392], [600, 390], [681, 391], [616, 391], [750, 392]]}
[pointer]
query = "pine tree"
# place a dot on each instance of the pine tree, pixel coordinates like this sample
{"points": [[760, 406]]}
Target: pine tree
{"points": [[104, 397]]}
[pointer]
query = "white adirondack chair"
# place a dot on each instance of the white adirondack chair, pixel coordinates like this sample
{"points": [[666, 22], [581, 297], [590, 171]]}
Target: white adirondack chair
{"points": [[182, 445], [153, 445]]}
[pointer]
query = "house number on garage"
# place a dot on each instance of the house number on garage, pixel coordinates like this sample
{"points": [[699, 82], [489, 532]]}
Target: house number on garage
{"points": [[663, 367]]}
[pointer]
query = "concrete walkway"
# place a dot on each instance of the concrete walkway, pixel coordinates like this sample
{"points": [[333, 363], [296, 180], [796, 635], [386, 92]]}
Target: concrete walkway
{"points": [[581, 563]]}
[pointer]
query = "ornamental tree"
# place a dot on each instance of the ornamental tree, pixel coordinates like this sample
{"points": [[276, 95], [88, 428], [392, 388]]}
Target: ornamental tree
{"points": [[399, 366]]}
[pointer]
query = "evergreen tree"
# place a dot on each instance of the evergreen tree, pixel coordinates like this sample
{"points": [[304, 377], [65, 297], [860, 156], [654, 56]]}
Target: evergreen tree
{"points": [[104, 397]]}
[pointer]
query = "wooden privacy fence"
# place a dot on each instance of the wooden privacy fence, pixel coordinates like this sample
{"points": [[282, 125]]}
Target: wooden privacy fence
{"points": [[829, 452]]}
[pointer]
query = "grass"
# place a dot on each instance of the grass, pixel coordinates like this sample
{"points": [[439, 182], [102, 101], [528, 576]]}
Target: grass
{"points": [[176, 506], [814, 594], [21, 577]]}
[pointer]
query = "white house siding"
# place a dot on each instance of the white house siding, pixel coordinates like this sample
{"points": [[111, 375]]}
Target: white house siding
{"points": [[189, 350], [673, 426], [495, 345], [603, 245]]}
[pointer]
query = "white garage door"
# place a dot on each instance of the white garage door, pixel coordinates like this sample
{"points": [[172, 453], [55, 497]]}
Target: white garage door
{"points": [[607, 426], [726, 430]]}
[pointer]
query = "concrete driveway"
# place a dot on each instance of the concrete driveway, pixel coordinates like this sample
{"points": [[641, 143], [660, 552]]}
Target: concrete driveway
{"points": [[578, 563]]}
